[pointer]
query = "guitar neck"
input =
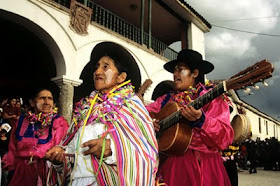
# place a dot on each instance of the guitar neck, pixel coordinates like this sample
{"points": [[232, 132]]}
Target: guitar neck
{"points": [[197, 104], [209, 96]]}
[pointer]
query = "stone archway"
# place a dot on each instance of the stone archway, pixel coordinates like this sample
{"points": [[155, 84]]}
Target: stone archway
{"points": [[26, 61]]}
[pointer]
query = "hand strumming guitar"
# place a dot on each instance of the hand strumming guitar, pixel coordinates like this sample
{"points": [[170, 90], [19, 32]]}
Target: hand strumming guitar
{"points": [[156, 125]]}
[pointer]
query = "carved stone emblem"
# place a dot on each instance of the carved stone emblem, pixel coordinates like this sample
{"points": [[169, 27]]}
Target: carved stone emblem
{"points": [[80, 17]]}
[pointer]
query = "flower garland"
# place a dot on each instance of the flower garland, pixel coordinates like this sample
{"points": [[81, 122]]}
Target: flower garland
{"points": [[116, 96], [44, 120], [183, 98]]}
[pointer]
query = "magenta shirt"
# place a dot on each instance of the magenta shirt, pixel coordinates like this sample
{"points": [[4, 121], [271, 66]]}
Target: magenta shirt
{"points": [[22, 146], [216, 132]]}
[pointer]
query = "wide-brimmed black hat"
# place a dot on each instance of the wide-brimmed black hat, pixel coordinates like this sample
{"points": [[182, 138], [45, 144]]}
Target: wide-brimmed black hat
{"points": [[122, 56], [192, 59]]}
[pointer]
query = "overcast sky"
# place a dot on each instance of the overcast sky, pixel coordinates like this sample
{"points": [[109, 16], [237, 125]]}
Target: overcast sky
{"points": [[232, 51]]}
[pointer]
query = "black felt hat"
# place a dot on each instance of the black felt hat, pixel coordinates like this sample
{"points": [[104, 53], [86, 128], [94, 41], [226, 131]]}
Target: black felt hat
{"points": [[121, 56], [192, 59]]}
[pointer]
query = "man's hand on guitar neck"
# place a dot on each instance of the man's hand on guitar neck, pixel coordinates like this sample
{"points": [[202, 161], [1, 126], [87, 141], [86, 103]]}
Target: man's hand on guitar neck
{"points": [[190, 113], [156, 125], [196, 117]]}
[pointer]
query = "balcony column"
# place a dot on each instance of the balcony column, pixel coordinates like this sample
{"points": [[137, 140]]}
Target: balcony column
{"points": [[66, 95], [142, 21], [150, 23], [184, 36], [85, 2]]}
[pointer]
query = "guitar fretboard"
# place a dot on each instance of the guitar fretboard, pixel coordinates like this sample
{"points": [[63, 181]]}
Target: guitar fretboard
{"points": [[197, 104], [209, 96]]}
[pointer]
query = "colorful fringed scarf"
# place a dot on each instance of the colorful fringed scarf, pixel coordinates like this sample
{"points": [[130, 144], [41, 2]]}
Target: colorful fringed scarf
{"points": [[130, 127]]}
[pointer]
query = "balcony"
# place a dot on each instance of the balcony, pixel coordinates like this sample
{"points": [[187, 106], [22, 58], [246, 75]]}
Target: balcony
{"points": [[115, 23]]}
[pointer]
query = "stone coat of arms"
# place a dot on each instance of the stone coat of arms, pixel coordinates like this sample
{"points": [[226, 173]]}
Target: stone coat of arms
{"points": [[80, 17]]}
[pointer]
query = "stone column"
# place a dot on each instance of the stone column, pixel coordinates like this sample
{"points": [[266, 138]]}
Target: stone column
{"points": [[66, 95]]}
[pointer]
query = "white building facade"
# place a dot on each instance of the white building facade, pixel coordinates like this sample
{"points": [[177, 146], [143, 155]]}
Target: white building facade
{"points": [[122, 22]]}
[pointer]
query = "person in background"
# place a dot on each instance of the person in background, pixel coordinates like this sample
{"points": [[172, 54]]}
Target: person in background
{"points": [[229, 156], [244, 154], [18, 104], [11, 112], [31, 137], [201, 164], [113, 142], [3, 102], [4, 145], [4, 140], [252, 155]]}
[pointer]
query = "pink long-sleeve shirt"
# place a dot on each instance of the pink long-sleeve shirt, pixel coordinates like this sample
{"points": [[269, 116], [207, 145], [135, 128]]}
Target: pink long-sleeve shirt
{"points": [[27, 150], [216, 132], [202, 163]]}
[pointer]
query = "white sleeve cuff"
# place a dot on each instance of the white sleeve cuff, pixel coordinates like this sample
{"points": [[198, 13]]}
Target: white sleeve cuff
{"points": [[111, 159]]}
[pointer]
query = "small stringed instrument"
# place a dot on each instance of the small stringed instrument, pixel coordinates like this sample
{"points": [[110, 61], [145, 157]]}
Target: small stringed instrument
{"points": [[175, 134], [143, 88]]}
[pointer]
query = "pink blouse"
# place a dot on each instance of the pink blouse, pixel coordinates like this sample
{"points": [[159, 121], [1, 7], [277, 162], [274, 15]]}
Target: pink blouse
{"points": [[24, 145], [216, 132]]}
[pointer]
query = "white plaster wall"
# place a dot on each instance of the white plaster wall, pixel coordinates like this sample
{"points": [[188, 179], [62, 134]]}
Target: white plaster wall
{"points": [[254, 120], [150, 65], [196, 39], [76, 49]]}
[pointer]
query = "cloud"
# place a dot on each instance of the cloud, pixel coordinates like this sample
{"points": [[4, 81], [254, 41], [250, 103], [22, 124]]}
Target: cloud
{"points": [[232, 51], [236, 12]]}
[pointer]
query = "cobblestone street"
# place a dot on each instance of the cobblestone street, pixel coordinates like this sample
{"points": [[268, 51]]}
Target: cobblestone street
{"points": [[262, 178]]}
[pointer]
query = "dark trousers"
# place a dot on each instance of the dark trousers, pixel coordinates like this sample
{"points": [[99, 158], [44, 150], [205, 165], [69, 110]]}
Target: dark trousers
{"points": [[253, 165], [232, 172]]}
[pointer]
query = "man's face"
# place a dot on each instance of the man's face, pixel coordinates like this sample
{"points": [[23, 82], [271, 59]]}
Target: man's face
{"points": [[3, 132], [43, 102], [183, 77], [13, 102], [106, 75]]}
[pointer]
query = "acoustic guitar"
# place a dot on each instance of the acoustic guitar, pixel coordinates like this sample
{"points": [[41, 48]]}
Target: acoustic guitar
{"points": [[175, 134]]}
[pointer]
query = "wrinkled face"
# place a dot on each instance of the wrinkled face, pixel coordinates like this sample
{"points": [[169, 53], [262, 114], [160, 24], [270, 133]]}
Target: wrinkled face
{"points": [[183, 78], [106, 75], [43, 102]]}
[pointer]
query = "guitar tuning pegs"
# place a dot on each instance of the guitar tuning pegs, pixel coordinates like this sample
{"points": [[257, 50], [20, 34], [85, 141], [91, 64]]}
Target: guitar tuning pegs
{"points": [[264, 83], [247, 90], [256, 87]]}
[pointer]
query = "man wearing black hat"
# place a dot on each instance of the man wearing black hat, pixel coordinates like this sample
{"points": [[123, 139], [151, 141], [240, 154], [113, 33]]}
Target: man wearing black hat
{"points": [[113, 139], [210, 129]]}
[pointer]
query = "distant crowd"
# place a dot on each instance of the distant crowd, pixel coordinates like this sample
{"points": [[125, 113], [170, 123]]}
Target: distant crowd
{"points": [[10, 111], [263, 153]]}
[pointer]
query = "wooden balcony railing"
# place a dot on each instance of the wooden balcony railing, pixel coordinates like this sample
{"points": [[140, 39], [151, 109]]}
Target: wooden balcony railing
{"points": [[120, 26]]}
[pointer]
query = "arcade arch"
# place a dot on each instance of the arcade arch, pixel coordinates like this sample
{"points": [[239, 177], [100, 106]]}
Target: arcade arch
{"points": [[29, 60]]}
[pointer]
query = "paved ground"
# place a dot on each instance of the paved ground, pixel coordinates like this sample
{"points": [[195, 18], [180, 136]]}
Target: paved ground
{"points": [[261, 178]]}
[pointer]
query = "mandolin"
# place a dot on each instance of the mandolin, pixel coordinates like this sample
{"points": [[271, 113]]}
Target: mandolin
{"points": [[174, 136], [143, 88]]}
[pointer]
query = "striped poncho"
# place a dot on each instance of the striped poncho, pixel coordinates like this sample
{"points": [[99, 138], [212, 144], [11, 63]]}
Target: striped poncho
{"points": [[130, 127]]}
